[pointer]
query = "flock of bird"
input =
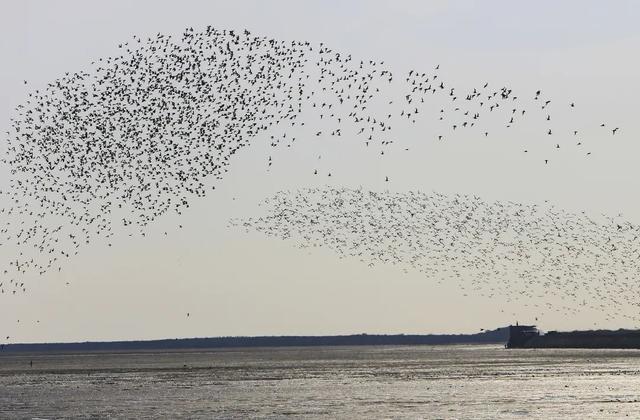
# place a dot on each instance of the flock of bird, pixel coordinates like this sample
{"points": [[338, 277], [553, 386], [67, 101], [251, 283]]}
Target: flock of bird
{"points": [[142, 133], [523, 253]]}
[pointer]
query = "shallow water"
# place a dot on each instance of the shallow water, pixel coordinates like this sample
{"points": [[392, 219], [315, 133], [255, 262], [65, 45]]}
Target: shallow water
{"points": [[330, 382]]}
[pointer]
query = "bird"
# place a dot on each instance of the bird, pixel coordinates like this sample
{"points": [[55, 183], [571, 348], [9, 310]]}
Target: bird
{"points": [[113, 147], [453, 238]]}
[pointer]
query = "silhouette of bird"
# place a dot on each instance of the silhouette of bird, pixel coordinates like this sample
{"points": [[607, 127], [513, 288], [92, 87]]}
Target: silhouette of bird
{"points": [[111, 149], [460, 238]]}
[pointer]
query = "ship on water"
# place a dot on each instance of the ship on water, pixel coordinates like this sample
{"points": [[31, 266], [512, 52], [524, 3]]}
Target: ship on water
{"points": [[529, 336]]}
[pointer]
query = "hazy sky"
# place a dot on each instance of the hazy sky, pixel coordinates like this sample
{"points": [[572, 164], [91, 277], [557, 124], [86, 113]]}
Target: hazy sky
{"points": [[234, 283]]}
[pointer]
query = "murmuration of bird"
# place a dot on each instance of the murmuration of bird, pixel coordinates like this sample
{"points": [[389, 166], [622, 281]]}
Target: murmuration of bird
{"points": [[527, 254], [142, 133]]}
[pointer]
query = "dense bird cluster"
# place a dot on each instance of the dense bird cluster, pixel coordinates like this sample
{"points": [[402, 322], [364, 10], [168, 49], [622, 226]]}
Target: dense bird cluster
{"points": [[563, 261], [138, 136], [141, 133]]}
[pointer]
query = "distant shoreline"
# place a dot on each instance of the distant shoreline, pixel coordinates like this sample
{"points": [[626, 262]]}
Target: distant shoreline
{"points": [[497, 336]]}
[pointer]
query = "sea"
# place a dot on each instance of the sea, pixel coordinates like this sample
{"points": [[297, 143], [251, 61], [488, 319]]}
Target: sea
{"points": [[363, 382]]}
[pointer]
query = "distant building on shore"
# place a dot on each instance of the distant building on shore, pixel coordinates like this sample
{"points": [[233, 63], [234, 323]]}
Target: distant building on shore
{"points": [[520, 335]]}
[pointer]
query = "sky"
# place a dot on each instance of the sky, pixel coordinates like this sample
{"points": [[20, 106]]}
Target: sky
{"points": [[236, 283]]}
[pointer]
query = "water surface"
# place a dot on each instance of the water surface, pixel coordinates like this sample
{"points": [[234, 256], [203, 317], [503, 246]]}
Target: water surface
{"points": [[331, 382]]}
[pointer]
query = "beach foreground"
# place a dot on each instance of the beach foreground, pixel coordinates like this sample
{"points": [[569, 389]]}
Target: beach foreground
{"points": [[464, 381]]}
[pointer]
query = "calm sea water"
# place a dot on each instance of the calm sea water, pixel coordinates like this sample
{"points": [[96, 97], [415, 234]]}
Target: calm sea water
{"points": [[329, 382]]}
